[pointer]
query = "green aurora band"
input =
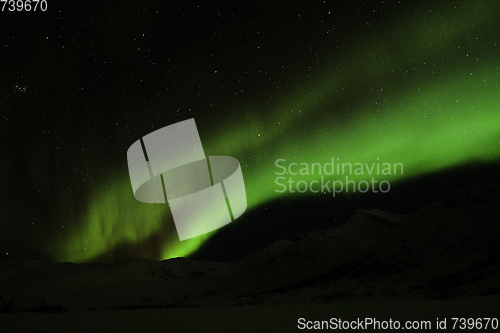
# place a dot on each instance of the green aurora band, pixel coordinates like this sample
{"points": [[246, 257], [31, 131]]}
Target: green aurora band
{"points": [[418, 95]]}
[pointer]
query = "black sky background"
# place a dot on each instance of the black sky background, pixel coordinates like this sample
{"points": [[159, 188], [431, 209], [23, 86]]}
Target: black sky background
{"points": [[85, 79]]}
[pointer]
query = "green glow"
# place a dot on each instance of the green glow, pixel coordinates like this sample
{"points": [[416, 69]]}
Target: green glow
{"points": [[114, 218], [436, 108], [432, 107], [438, 127]]}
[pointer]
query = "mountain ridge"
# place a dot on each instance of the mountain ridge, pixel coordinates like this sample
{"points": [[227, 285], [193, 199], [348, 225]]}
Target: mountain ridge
{"points": [[445, 249]]}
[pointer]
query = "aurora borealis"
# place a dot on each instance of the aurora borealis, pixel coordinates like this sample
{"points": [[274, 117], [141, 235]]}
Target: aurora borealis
{"points": [[303, 81]]}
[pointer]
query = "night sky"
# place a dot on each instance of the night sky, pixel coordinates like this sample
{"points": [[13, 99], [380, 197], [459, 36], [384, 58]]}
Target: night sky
{"points": [[415, 83]]}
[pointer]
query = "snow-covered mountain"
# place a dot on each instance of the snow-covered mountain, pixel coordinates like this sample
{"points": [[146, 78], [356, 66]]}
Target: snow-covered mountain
{"points": [[446, 249]]}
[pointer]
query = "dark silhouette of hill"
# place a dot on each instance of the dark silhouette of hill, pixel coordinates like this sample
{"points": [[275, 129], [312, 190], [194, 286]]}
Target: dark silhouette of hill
{"points": [[445, 249]]}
